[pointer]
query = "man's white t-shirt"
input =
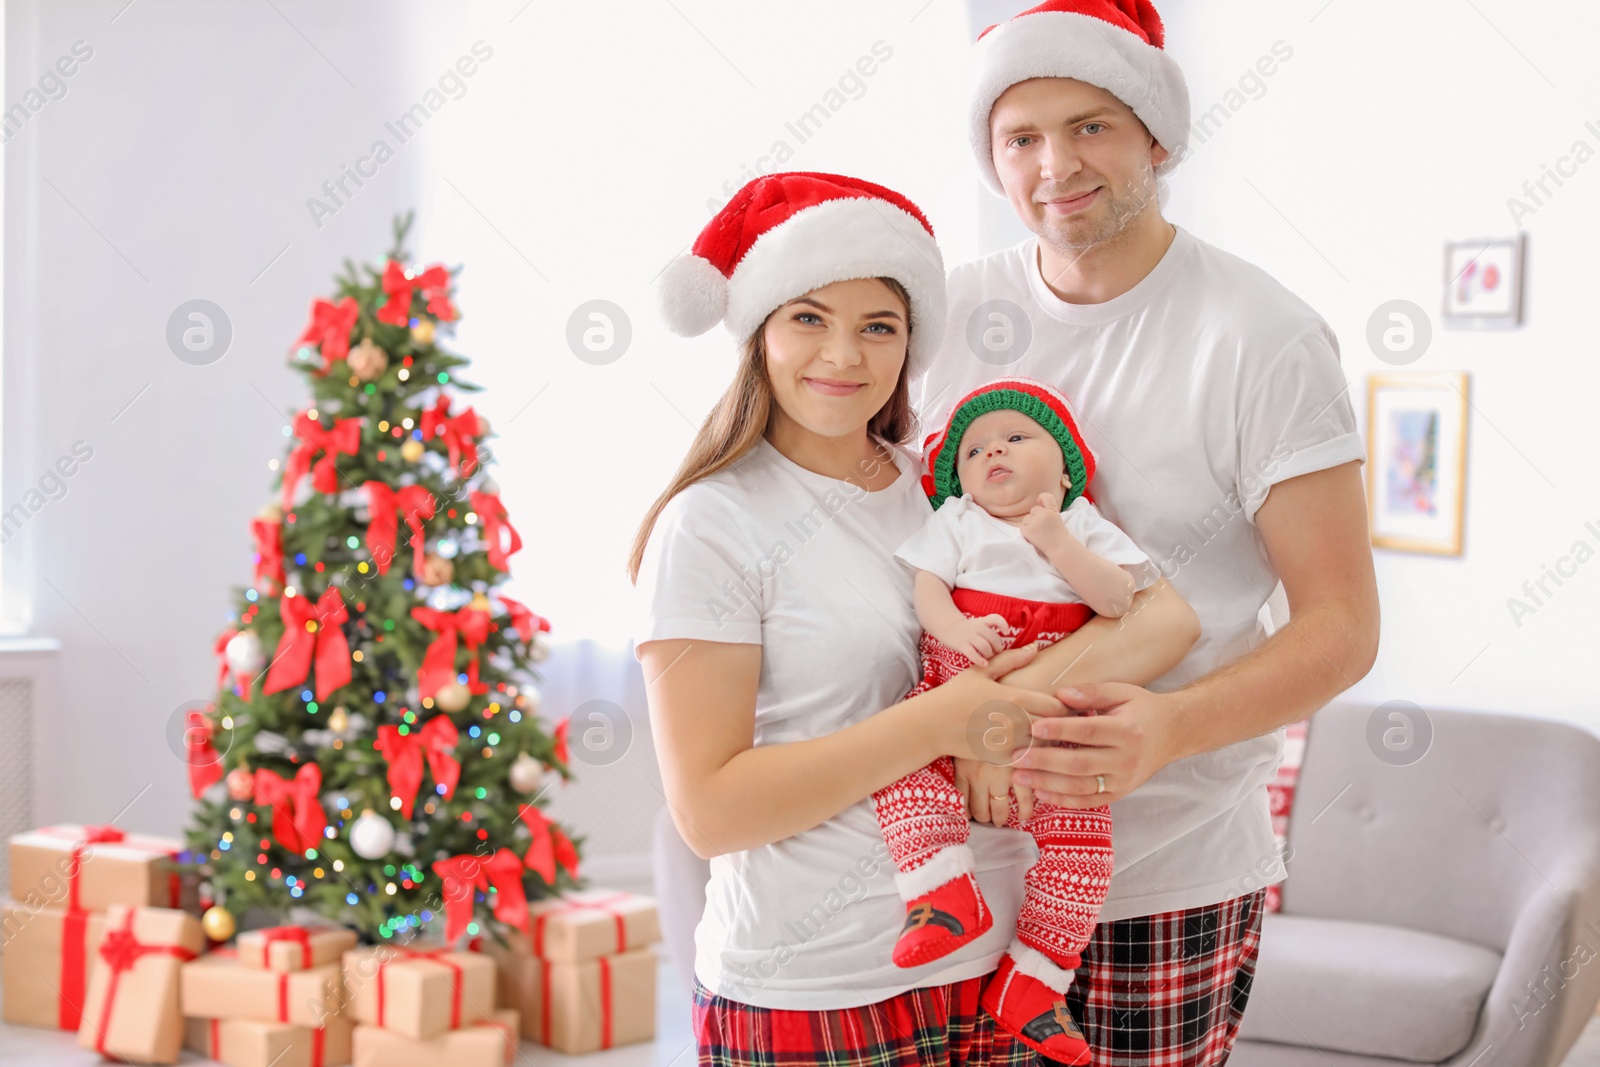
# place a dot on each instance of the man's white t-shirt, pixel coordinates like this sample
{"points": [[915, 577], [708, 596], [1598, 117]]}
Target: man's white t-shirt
{"points": [[1197, 390], [968, 548], [766, 552]]}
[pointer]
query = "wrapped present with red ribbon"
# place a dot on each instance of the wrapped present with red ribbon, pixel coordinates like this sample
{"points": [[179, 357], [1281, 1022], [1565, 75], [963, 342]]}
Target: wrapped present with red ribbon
{"points": [[417, 991], [248, 1043], [490, 1042], [294, 948], [131, 1011], [46, 963], [583, 924], [586, 1006], [220, 986], [93, 867]]}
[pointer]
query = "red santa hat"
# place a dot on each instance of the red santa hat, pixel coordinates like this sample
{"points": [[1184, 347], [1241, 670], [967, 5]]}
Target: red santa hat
{"points": [[1114, 44], [783, 235]]}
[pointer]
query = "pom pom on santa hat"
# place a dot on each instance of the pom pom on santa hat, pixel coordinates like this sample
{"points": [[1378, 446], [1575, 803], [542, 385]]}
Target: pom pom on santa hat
{"points": [[1118, 45], [783, 235]]}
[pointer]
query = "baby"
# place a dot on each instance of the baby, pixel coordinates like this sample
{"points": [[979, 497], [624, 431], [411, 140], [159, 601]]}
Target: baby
{"points": [[1015, 552]]}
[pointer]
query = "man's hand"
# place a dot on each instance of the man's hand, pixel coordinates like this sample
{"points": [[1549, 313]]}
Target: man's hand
{"points": [[987, 788], [1127, 734]]}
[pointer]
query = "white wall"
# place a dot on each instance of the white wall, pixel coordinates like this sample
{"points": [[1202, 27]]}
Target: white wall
{"points": [[1392, 128]]}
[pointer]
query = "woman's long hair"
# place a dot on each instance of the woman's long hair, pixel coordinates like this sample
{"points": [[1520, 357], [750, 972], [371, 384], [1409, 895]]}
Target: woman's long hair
{"points": [[740, 418]]}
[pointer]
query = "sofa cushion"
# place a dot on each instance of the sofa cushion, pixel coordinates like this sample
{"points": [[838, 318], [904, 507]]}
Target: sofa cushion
{"points": [[1362, 988]]}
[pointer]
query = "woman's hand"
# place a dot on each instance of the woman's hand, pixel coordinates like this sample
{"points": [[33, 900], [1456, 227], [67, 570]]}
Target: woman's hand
{"points": [[984, 719], [987, 788]]}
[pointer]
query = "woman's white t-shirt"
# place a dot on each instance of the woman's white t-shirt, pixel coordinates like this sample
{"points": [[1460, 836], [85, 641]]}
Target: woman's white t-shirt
{"points": [[968, 548], [766, 552]]}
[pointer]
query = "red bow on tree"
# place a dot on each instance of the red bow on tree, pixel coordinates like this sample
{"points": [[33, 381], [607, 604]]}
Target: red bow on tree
{"points": [[464, 875], [205, 764], [345, 437], [311, 632], [492, 514], [459, 432], [562, 754], [550, 846], [330, 328], [221, 649], [434, 284], [436, 741], [412, 501], [525, 622], [439, 662], [268, 536], [297, 816]]}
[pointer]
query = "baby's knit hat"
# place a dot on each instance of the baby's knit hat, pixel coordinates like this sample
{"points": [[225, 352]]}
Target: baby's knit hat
{"points": [[1035, 399]]}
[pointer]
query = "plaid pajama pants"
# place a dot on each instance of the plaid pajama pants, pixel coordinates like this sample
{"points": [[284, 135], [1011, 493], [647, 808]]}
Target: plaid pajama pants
{"points": [[1163, 990]]}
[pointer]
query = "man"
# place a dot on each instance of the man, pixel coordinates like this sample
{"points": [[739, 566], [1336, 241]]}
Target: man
{"points": [[1227, 449]]}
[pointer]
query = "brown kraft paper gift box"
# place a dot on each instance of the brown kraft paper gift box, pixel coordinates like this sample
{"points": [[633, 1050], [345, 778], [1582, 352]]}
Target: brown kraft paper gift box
{"points": [[112, 867], [419, 992], [294, 948], [486, 1043], [48, 955], [131, 1011], [596, 1004], [249, 1043], [218, 986], [586, 923]]}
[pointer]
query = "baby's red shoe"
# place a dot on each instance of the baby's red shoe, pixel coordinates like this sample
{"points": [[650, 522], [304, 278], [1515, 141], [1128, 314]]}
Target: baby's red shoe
{"points": [[1022, 997], [945, 908]]}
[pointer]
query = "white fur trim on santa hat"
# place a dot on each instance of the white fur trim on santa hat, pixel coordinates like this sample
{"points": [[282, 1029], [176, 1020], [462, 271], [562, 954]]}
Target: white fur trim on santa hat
{"points": [[858, 237], [1035, 964], [693, 296], [1065, 44], [949, 862]]}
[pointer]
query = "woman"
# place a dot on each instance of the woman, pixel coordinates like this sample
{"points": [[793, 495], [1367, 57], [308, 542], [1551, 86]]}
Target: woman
{"points": [[777, 636]]}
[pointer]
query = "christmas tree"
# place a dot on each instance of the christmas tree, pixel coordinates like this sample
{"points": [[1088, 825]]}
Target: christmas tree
{"points": [[375, 751]]}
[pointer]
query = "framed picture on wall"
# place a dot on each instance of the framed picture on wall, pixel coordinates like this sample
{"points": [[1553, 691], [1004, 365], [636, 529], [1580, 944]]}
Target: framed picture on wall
{"points": [[1417, 460], [1483, 283]]}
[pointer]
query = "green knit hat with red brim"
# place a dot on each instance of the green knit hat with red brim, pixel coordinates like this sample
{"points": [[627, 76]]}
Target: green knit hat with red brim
{"points": [[1034, 399]]}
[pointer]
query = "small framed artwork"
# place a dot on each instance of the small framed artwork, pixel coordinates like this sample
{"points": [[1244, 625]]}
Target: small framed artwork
{"points": [[1483, 283], [1417, 460]]}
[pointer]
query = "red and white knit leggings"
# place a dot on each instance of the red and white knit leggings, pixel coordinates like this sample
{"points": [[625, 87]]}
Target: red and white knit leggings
{"points": [[923, 812]]}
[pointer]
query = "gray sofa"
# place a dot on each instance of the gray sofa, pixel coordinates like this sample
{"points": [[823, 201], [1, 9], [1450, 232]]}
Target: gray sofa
{"points": [[1441, 908]]}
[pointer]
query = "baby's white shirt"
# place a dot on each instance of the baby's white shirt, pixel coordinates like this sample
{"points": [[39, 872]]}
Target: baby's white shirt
{"points": [[970, 549]]}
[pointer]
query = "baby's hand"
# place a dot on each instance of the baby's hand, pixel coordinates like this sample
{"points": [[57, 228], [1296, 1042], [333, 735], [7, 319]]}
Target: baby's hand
{"points": [[977, 639], [1043, 528]]}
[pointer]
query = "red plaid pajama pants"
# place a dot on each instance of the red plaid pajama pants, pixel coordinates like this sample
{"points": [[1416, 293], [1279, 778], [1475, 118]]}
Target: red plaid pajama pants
{"points": [[1163, 990], [923, 812]]}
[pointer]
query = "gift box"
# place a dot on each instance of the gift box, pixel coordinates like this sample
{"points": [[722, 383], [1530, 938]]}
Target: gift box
{"points": [[48, 955], [94, 867], [219, 986], [586, 923], [130, 1011], [490, 1042], [249, 1043], [586, 1006], [419, 993], [294, 948]]}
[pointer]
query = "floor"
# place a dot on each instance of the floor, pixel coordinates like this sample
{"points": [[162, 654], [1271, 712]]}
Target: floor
{"points": [[26, 1047], [673, 1046]]}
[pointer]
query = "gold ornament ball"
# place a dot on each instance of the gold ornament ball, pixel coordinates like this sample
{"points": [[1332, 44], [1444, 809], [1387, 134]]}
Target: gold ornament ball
{"points": [[422, 332], [480, 602], [411, 451], [218, 923], [272, 513], [436, 570], [367, 360], [452, 696], [339, 720]]}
